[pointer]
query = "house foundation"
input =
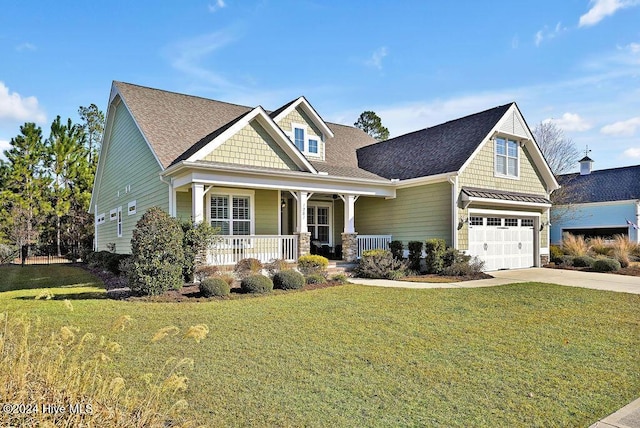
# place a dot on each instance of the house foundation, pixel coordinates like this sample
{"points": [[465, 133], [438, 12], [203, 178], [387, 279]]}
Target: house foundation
{"points": [[304, 243], [350, 247]]}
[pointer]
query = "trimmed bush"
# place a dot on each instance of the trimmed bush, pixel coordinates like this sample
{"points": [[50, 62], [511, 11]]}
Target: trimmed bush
{"points": [[435, 250], [197, 239], [464, 266], [156, 254], [288, 280], [555, 254], [378, 264], [248, 267], [583, 261], [210, 287], [315, 278], [606, 265], [340, 278], [277, 265], [415, 253], [313, 264], [396, 249], [256, 284], [205, 271], [567, 261]]}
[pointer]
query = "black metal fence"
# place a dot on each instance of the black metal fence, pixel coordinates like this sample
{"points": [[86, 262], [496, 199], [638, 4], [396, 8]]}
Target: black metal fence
{"points": [[29, 255]]}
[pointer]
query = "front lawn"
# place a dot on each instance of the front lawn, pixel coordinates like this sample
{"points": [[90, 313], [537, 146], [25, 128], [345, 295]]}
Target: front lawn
{"points": [[519, 355]]}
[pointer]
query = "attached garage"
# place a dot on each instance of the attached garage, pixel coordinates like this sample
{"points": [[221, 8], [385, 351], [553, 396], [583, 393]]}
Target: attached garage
{"points": [[502, 242]]}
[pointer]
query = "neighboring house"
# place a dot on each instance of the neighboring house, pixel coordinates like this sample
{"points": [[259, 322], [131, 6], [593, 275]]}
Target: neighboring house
{"points": [[598, 203], [276, 183]]}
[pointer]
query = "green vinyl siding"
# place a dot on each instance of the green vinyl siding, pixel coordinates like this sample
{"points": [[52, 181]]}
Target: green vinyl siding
{"points": [[267, 206], [417, 213], [338, 220], [129, 172], [183, 205]]}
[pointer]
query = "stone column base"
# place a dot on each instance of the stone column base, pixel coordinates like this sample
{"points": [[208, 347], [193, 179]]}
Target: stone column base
{"points": [[304, 243], [350, 247]]}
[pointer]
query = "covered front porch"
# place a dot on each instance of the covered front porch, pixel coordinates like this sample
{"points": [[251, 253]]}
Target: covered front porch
{"points": [[272, 219]]}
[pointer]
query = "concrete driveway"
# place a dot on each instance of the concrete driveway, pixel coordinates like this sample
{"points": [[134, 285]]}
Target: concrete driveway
{"points": [[572, 278]]}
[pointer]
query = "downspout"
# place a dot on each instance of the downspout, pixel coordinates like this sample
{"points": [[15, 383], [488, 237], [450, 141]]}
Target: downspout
{"points": [[172, 212], [638, 221], [454, 210], [95, 228]]}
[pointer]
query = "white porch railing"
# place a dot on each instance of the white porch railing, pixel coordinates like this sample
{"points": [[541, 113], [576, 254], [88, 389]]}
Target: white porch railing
{"points": [[372, 242], [228, 250]]}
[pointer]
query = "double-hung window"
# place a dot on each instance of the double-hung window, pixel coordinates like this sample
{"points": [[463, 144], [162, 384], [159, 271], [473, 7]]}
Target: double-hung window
{"points": [[506, 157], [298, 138], [318, 223], [231, 213]]}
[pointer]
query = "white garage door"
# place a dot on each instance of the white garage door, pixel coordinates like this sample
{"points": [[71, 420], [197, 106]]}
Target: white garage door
{"points": [[502, 243]]}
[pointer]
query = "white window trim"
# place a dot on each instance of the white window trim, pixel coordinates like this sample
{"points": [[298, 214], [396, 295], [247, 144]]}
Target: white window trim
{"points": [[100, 219], [307, 137], [496, 173], [130, 205], [113, 214], [328, 205], [120, 221], [218, 191]]}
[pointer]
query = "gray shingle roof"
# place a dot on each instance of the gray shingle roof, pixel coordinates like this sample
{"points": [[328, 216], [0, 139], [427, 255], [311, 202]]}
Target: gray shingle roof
{"points": [[504, 196], [616, 184], [178, 125], [436, 150]]}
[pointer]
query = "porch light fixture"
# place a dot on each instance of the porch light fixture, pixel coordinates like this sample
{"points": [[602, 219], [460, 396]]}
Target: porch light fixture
{"points": [[283, 203]]}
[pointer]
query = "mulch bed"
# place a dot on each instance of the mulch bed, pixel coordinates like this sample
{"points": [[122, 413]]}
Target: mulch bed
{"points": [[630, 271], [432, 278]]}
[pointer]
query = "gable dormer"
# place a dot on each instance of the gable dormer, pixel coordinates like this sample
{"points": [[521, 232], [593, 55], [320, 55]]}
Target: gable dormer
{"points": [[304, 127]]}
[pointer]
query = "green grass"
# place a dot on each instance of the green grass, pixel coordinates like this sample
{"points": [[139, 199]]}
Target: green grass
{"points": [[519, 355]]}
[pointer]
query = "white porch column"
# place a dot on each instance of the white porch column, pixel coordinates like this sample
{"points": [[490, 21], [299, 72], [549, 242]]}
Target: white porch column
{"points": [[301, 211], [197, 203], [349, 213]]}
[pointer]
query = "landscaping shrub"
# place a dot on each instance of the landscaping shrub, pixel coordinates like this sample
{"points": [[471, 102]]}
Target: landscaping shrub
{"points": [[434, 252], [415, 253], [599, 247], [313, 264], [340, 278], [196, 241], [7, 253], [396, 249], [378, 264], [156, 254], [106, 260], [288, 280], [464, 266], [248, 267], [226, 277], [205, 271], [210, 287], [277, 265], [114, 261], [583, 261], [567, 261], [315, 278], [606, 265], [555, 254], [574, 245], [622, 249], [256, 284]]}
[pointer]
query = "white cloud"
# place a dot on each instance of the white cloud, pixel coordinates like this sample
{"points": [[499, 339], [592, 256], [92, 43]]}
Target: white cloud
{"points": [[625, 128], [219, 4], [14, 106], [515, 42], [377, 57], [548, 34], [634, 48], [570, 122], [633, 152], [600, 9], [26, 46]]}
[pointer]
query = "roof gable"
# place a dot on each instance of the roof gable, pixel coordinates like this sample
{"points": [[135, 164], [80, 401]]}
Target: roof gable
{"points": [[606, 185], [436, 150], [305, 106], [273, 143]]}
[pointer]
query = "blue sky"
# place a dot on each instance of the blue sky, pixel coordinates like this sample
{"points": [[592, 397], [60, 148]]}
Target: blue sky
{"points": [[416, 63]]}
